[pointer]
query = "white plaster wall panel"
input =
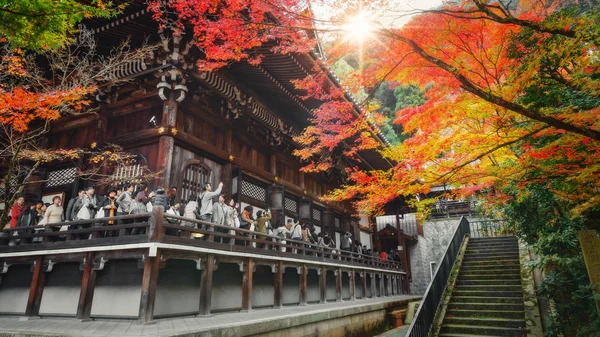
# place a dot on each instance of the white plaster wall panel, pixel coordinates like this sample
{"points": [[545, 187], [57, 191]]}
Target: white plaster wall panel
{"points": [[178, 289], [118, 290], [61, 290], [14, 289]]}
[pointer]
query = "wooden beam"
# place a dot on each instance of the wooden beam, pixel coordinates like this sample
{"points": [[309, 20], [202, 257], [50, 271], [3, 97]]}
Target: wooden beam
{"points": [[381, 285], [303, 285], [88, 284], [149, 281], [247, 285], [338, 285], [352, 285], [323, 285], [206, 286], [278, 285], [36, 289]]}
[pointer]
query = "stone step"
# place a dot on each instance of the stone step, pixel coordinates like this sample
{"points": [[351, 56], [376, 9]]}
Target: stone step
{"points": [[488, 282], [493, 252], [485, 293], [514, 267], [462, 335], [491, 262], [487, 321], [489, 275], [493, 239], [481, 257], [512, 314], [486, 306], [490, 246], [486, 300], [490, 250], [483, 330], [489, 287]]}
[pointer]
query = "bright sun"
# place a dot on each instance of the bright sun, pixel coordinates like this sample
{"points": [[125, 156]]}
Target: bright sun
{"points": [[358, 27]]}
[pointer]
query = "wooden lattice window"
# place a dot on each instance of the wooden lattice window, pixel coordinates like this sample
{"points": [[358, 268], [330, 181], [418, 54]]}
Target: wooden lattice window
{"points": [[316, 214], [194, 174], [291, 205], [254, 191], [336, 222], [61, 177]]}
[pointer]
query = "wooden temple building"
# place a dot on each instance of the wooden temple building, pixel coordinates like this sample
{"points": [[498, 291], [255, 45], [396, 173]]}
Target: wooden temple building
{"points": [[235, 126]]}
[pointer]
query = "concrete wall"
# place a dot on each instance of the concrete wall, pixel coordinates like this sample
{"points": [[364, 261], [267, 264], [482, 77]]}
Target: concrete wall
{"points": [[330, 293], [358, 285], [363, 324], [430, 247], [262, 288], [227, 288], [345, 286], [118, 290], [14, 289], [291, 286], [178, 289], [61, 290], [313, 291]]}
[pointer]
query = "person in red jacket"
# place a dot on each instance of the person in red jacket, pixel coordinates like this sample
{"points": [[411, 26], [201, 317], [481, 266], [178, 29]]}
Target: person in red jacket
{"points": [[18, 207], [383, 256]]}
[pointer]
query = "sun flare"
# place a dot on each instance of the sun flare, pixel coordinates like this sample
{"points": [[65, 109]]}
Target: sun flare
{"points": [[358, 27]]}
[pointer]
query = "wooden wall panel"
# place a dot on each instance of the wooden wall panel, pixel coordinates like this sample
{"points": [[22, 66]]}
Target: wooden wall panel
{"points": [[182, 155]]}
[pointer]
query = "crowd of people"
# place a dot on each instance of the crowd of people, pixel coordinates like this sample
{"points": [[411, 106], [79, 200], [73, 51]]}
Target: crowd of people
{"points": [[225, 213]]}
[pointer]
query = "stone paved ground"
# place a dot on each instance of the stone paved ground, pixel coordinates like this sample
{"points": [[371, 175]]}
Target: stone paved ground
{"points": [[14, 326]]}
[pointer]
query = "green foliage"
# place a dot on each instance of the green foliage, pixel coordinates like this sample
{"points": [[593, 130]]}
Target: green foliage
{"points": [[46, 24], [408, 95], [543, 220]]}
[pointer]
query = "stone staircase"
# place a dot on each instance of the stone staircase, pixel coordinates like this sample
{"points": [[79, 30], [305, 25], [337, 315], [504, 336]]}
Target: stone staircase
{"points": [[487, 299]]}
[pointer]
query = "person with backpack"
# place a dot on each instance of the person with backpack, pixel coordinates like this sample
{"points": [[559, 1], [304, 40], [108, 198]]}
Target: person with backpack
{"points": [[283, 231], [296, 233], [325, 243]]}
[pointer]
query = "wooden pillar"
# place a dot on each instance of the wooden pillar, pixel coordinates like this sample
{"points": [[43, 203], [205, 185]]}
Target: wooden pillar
{"points": [[303, 284], [276, 204], [352, 279], [381, 285], [393, 281], [373, 286], [278, 285], [305, 210], [398, 285], [338, 285], [206, 281], [36, 289], [149, 281], [323, 285], [389, 285], [166, 142], [88, 284], [247, 285], [363, 277]]}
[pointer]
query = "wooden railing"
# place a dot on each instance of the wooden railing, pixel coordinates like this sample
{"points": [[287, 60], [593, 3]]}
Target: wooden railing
{"points": [[160, 227]]}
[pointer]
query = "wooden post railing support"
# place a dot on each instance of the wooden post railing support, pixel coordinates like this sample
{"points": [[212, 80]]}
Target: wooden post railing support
{"points": [[381, 285], [303, 285], [323, 285], [156, 230], [36, 289], [149, 281], [88, 284], [206, 281], [338, 285], [278, 285], [352, 285], [247, 285]]}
